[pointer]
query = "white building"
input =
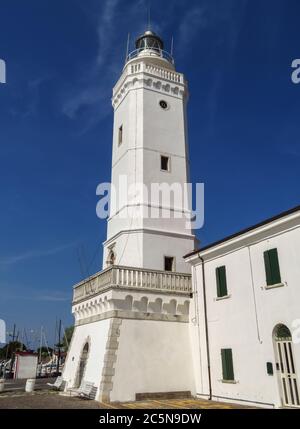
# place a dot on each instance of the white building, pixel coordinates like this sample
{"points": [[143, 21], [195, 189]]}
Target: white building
{"points": [[132, 319], [25, 365], [245, 309], [144, 325]]}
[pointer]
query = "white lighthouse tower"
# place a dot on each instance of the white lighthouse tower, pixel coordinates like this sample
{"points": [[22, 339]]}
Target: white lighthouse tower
{"points": [[149, 146], [131, 333]]}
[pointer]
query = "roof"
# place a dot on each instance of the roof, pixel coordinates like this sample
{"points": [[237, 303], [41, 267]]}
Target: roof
{"points": [[243, 231], [26, 354]]}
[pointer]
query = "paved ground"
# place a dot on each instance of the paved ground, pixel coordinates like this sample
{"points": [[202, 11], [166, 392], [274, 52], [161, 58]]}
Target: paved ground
{"points": [[19, 385], [196, 404], [43, 399]]}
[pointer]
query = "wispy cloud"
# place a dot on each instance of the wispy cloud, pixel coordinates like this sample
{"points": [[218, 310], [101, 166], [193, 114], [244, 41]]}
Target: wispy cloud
{"points": [[217, 25], [41, 296], [13, 259], [90, 95], [52, 297], [223, 20], [28, 99], [95, 85], [105, 30], [190, 25]]}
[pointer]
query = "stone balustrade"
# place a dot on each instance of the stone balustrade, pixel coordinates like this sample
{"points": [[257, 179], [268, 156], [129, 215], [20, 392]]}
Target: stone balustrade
{"points": [[132, 278], [152, 69], [164, 73]]}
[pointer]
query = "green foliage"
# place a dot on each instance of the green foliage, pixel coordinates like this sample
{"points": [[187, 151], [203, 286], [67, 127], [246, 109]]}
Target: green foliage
{"points": [[67, 338], [44, 351], [10, 348]]}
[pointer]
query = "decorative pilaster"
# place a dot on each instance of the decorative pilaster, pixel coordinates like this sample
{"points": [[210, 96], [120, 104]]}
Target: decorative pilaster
{"points": [[110, 359]]}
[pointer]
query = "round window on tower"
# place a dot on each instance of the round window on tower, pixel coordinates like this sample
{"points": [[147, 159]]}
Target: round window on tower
{"points": [[163, 104]]}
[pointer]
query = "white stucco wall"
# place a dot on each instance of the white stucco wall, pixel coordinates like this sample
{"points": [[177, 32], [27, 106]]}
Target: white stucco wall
{"points": [[148, 132], [26, 366], [245, 321], [96, 334], [139, 346], [155, 247], [152, 357]]}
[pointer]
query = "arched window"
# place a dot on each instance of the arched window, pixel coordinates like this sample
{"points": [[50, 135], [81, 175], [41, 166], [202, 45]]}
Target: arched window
{"points": [[111, 258], [282, 332], [85, 350]]}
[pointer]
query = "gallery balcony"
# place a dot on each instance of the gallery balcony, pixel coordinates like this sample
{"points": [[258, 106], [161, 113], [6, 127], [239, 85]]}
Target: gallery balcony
{"points": [[135, 279]]}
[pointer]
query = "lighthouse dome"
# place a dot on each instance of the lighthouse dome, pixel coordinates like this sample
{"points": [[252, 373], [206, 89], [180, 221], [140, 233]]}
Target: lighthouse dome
{"points": [[149, 40]]}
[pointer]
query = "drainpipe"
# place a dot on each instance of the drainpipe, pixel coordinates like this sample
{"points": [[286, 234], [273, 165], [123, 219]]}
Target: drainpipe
{"points": [[206, 326]]}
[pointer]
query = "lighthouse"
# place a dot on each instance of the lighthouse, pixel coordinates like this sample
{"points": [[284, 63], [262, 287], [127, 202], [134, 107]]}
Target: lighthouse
{"points": [[131, 334], [149, 147]]}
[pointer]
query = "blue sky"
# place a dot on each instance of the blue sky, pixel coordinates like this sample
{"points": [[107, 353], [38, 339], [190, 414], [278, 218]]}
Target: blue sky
{"points": [[63, 58]]}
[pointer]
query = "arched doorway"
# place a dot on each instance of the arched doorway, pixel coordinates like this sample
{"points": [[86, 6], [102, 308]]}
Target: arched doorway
{"points": [[285, 366], [82, 364]]}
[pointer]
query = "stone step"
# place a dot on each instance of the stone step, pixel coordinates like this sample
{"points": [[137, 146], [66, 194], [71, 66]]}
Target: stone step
{"points": [[163, 395]]}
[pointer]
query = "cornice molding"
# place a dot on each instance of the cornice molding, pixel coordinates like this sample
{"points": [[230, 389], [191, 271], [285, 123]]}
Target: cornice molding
{"points": [[145, 80], [247, 239]]}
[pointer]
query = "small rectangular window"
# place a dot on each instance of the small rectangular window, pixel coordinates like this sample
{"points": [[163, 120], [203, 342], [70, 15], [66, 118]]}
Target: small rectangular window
{"points": [[272, 269], [120, 136], [270, 370], [164, 163], [169, 263], [227, 364], [221, 282]]}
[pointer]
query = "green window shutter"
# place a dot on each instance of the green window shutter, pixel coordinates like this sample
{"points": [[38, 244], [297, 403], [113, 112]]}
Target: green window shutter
{"points": [[218, 283], [224, 365], [221, 281], [227, 364], [274, 262], [268, 268], [272, 267], [270, 370]]}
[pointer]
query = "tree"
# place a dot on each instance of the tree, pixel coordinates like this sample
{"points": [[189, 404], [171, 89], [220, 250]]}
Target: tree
{"points": [[9, 349], [67, 337], [44, 351]]}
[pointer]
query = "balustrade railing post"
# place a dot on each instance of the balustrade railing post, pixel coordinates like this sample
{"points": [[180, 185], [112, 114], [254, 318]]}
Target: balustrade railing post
{"points": [[112, 276], [118, 276]]}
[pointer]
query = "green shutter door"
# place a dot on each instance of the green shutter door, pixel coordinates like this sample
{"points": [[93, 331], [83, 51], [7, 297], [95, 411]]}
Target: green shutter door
{"points": [[227, 364]]}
